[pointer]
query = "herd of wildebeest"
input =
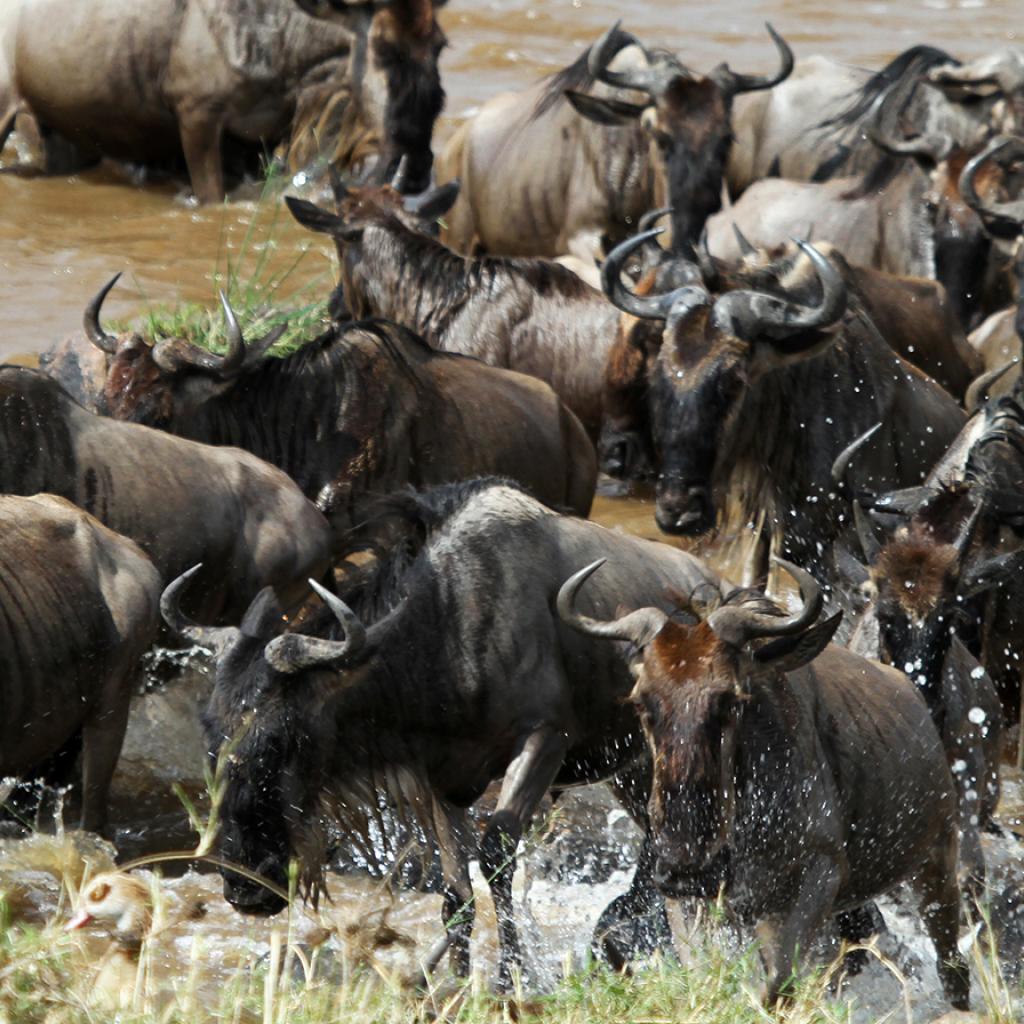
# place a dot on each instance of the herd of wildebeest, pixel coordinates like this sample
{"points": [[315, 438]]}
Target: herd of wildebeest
{"points": [[820, 342]]}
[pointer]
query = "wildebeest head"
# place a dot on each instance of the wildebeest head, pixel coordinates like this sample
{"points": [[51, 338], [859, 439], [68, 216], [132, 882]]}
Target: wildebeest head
{"points": [[692, 683], [996, 79], [145, 383], [713, 350], [688, 118], [265, 733], [395, 77]]}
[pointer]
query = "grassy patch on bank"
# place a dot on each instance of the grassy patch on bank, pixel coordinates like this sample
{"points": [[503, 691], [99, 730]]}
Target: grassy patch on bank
{"points": [[264, 290]]}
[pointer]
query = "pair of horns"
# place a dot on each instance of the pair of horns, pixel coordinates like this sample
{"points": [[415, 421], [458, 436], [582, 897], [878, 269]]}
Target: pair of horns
{"points": [[734, 624], [173, 354], [289, 653], [1002, 151], [934, 146], [659, 72]]}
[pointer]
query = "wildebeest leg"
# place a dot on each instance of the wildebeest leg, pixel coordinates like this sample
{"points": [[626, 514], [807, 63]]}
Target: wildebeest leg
{"points": [[458, 911], [783, 935], [529, 776], [102, 736], [201, 130], [857, 926], [938, 896], [617, 937], [7, 119]]}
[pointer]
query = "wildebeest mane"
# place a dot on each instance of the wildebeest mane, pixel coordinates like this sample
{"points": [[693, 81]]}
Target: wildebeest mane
{"points": [[575, 76], [906, 68]]}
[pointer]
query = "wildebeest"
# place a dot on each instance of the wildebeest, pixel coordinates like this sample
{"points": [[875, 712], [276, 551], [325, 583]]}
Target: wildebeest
{"points": [[919, 584], [800, 777], [534, 316], [363, 410], [181, 502], [78, 607], [450, 672], [810, 127], [913, 314], [539, 180], [912, 220], [165, 79], [754, 391]]}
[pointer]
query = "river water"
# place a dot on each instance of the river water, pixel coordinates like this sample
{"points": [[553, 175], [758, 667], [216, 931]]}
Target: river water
{"points": [[61, 238]]}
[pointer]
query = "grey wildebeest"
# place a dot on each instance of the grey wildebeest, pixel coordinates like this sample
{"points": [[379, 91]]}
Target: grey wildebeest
{"points": [[540, 180], [913, 314], [172, 78], [78, 607], [181, 502], [363, 410], [755, 392], [451, 671], [911, 221], [776, 136], [534, 316], [776, 773]]}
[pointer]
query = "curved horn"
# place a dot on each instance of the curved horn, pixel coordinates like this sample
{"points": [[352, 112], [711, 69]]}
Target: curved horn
{"points": [[750, 314], [845, 457], [294, 652], [747, 248], [865, 533], [706, 263], [398, 182], [935, 146], [1000, 147], [733, 83], [91, 320], [966, 534], [978, 391], [639, 627], [651, 217], [206, 636], [172, 354], [737, 625], [605, 49], [653, 307]]}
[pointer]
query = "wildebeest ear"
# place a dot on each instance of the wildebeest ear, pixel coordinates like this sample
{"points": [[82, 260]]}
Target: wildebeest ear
{"points": [[317, 219], [992, 572], [789, 653], [609, 112], [263, 617]]}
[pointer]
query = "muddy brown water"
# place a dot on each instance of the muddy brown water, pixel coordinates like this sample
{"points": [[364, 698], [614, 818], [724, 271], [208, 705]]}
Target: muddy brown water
{"points": [[60, 238]]}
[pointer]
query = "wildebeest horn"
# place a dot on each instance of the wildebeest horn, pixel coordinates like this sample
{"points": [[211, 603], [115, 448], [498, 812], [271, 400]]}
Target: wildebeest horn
{"points": [[401, 174], [206, 636], [294, 652], [708, 270], [639, 627], [1001, 146], [651, 217], [966, 534], [91, 320], [434, 202], [738, 625], [935, 146], [605, 49], [173, 354], [752, 315], [650, 307], [978, 391], [338, 187], [869, 545], [845, 457], [747, 248], [733, 83]]}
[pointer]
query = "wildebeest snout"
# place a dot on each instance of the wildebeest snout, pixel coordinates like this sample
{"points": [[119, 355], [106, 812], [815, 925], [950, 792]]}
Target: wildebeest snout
{"points": [[684, 508]]}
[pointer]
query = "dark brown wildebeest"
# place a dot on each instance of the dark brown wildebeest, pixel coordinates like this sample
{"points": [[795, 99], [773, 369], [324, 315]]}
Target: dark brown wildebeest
{"points": [[754, 392], [452, 671], [811, 127], [534, 316], [364, 410], [78, 607], [919, 585], [802, 778], [173, 78], [912, 222], [181, 502], [539, 180], [912, 314]]}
